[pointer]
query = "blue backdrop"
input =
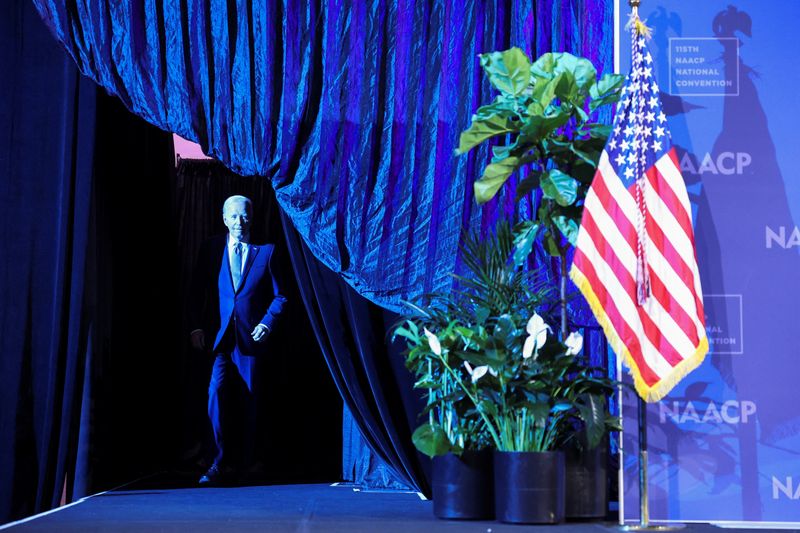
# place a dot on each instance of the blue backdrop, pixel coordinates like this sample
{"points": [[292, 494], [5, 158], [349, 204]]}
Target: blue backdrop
{"points": [[725, 444]]}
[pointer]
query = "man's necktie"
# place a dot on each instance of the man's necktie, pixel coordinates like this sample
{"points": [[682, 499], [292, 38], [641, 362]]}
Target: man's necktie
{"points": [[236, 265]]}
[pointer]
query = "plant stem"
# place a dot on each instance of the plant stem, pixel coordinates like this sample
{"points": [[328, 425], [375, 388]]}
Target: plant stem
{"points": [[563, 295], [474, 400]]}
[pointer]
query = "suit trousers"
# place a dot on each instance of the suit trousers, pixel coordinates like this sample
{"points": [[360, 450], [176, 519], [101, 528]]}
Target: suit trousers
{"points": [[233, 406]]}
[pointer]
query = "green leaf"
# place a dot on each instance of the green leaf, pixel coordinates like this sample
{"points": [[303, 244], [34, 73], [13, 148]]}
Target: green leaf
{"points": [[402, 332], [607, 84], [593, 413], [488, 407], [482, 129], [581, 69], [524, 237], [503, 106], [505, 329], [494, 176], [613, 423], [466, 332], [606, 90], [501, 152], [579, 109], [556, 145], [508, 71], [482, 314], [552, 247], [431, 440], [528, 184], [537, 127], [545, 91], [550, 65], [568, 227], [544, 67], [587, 157], [539, 412], [427, 383], [560, 187], [599, 131]]}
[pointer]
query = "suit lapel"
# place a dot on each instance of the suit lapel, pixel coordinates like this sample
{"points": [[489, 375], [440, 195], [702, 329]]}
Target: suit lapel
{"points": [[252, 252], [225, 272]]}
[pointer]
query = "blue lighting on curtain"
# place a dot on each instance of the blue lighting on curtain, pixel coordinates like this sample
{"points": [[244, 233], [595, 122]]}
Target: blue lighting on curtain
{"points": [[351, 108]]}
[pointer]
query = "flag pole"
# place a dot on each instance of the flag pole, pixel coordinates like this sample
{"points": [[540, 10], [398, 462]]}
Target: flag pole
{"points": [[644, 507]]}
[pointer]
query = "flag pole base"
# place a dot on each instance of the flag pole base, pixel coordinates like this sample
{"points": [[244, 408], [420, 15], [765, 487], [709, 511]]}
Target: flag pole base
{"points": [[651, 527]]}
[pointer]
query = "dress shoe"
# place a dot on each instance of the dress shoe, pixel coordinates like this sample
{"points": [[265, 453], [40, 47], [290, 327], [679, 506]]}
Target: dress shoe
{"points": [[216, 476]]}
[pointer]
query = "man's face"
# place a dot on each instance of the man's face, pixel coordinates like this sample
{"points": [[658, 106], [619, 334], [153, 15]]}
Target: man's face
{"points": [[237, 219]]}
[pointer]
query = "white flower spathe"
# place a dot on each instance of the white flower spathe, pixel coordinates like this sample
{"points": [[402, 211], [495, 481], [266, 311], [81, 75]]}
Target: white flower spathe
{"points": [[574, 343], [537, 335], [479, 371], [433, 342]]}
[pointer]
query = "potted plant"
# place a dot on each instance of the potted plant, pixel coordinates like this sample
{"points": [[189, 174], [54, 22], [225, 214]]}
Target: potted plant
{"points": [[458, 434], [452, 435], [545, 118], [490, 342]]}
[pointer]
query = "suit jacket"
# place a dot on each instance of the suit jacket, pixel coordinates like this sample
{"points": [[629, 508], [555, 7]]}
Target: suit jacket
{"points": [[258, 300]]}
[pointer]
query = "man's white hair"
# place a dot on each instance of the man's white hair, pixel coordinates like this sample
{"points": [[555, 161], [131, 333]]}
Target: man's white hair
{"points": [[238, 198]]}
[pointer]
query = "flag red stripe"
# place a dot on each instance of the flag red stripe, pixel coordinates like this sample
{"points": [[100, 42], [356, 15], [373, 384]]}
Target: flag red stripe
{"points": [[615, 211], [626, 334], [677, 263], [674, 309], [672, 202], [604, 249]]}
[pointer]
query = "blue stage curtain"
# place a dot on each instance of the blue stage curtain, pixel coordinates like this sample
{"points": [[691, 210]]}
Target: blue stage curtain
{"points": [[47, 113], [369, 372], [351, 108]]}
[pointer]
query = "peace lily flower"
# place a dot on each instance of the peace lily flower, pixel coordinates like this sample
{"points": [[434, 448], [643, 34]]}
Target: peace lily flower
{"points": [[433, 342], [479, 371], [574, 343], [537, 335]]}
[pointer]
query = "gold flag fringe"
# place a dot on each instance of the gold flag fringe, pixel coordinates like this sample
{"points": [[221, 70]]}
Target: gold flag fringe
{"points": [[648, 393]]}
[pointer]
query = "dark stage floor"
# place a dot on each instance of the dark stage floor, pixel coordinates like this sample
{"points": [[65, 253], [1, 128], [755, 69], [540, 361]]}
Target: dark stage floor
{"points": [[299, 508]]}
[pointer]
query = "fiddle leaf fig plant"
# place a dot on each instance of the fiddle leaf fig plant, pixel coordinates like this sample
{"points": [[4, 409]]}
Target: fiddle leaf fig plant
{"points": [[542, 125]]}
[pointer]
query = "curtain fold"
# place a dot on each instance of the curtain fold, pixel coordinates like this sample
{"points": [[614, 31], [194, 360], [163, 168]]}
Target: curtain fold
{"points": [[366, 366], [351, 109], [47, 112]]}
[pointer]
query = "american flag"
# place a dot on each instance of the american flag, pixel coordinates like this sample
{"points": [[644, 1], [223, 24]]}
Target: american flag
{"points": [[635, 258]]}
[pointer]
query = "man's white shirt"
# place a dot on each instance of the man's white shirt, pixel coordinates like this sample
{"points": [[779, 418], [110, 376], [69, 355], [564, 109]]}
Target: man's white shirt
{"points": [[245, 251]]}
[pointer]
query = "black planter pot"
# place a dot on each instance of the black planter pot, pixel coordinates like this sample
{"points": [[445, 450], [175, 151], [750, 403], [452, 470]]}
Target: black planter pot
{"points": [[462, 486], [586, 482], [529, 487]]}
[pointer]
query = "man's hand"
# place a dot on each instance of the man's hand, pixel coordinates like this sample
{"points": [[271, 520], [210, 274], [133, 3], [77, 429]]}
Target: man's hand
{"points": [[260, 333], [198, 339]]}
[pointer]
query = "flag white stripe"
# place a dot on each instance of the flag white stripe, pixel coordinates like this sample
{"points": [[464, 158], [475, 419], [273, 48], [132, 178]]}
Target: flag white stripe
{"points": [[620, 247], [672, 176], [623, 197], [666, 324], [626, 307], [671, 228], [676, 285], [670, 329], [611, 233]]}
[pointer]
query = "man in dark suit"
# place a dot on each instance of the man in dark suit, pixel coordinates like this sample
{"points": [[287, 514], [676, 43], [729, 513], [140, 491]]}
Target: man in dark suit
{"points": [[238, 279]]}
